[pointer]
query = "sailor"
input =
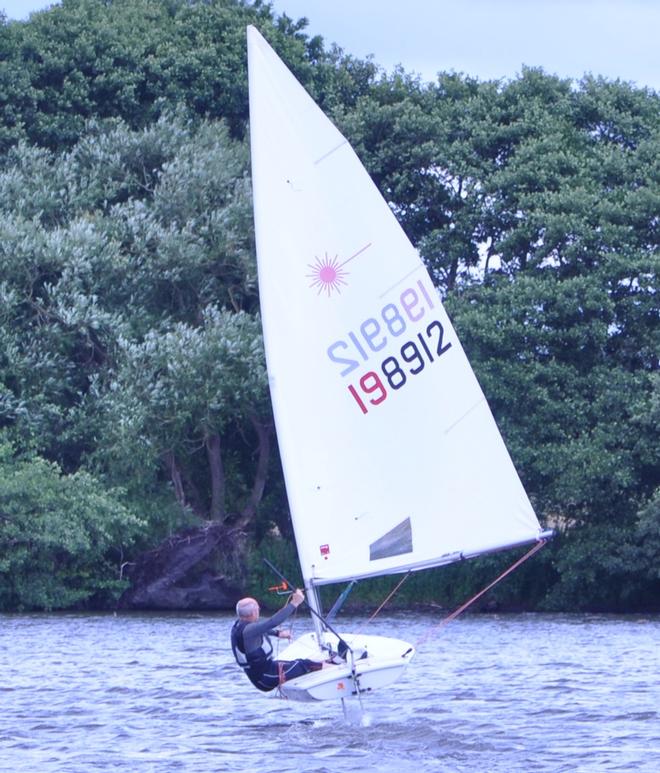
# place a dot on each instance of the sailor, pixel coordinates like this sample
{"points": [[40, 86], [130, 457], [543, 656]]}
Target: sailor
{"points": [[250, 642]]}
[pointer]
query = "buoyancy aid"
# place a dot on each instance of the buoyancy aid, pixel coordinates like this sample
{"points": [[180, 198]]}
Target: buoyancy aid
{"points": [[254, 662]]}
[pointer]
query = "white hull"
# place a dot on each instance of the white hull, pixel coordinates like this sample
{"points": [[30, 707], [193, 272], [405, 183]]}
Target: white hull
{"points": [[385, 661]]}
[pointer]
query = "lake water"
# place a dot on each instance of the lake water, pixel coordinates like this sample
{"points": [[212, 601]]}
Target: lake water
{"points": [[485, 693]]}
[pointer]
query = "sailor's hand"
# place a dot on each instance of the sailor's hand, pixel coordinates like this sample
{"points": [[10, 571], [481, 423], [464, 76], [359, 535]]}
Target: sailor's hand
{"points": [[281, 634], [297, 597]]}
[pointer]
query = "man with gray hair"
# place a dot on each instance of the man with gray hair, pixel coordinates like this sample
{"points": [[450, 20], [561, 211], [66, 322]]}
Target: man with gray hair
{"points": [[250, 642]]}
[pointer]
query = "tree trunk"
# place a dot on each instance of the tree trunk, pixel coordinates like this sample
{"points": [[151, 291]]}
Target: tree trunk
{"points": [[175, 477], [197, 569], [451, 276], [217, 511], [250, 508], [193, 497]]}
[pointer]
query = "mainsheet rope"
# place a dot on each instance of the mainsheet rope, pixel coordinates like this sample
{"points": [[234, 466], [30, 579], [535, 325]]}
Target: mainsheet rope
{"points": [[390, 595], [456, 612], [474, 598], [280, 664], [464, 606]]}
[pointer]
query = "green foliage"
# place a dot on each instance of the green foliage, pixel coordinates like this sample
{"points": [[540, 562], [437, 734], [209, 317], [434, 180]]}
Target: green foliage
{"points": [[202, 376], [133, 58], [113, 353], [62, 537], [282, 554], [91, 58], [176, 389], [578, 422], [534, 203], [130, 349], [100, 244], [606, 569], [648, 536]]}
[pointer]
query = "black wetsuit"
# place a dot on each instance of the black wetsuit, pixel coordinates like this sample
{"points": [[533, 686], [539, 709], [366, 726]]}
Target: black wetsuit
{"points": [[254, 652]]}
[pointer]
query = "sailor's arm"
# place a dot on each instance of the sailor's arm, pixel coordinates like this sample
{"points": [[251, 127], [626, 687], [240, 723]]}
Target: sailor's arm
{"points": [[265, 626]]}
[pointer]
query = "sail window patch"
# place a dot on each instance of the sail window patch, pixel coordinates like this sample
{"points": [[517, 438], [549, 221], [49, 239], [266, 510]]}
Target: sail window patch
{"points": [[395, 542]]}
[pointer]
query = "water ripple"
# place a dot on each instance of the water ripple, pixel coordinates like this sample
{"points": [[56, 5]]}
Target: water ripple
{"points": [[87, 693]]}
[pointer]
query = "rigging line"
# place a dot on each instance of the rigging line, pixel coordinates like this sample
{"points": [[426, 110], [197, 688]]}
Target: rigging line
{"points": [[291, 625], [373, 616], [308, 605], [463, 607], [280, 664]]}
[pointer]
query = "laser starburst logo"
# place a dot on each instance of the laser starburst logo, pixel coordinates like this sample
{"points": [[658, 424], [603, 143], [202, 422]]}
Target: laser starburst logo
{"points": [[328, 275]]}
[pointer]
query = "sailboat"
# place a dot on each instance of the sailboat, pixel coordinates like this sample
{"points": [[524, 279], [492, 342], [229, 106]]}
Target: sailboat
{"points": [[391, 456]]}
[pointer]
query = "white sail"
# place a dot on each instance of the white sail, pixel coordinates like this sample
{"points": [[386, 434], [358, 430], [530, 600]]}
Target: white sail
{"points": [[391, 456]]}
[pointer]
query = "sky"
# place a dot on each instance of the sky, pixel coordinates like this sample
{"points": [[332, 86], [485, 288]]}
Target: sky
{"points": [[486, 39]]}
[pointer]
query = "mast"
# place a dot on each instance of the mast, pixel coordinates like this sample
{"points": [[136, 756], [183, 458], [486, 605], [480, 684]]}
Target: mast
{"points": [[314, 603]]}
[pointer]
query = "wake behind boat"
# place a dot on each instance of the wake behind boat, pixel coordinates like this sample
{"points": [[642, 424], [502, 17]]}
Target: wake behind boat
{"points": [[392, 459]]}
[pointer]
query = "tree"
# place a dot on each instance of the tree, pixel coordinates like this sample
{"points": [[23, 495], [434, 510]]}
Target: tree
{"points": [[129, 295], [118, 254], [62, 537], [185, 395], [132, 59], [532, 203]]}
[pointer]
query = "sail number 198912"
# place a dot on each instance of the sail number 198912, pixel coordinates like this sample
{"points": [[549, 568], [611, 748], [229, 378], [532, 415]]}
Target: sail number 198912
{"points": [[423, 346]]}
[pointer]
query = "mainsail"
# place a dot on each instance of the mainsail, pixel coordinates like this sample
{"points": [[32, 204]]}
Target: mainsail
{"points": [[391, 456]]}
